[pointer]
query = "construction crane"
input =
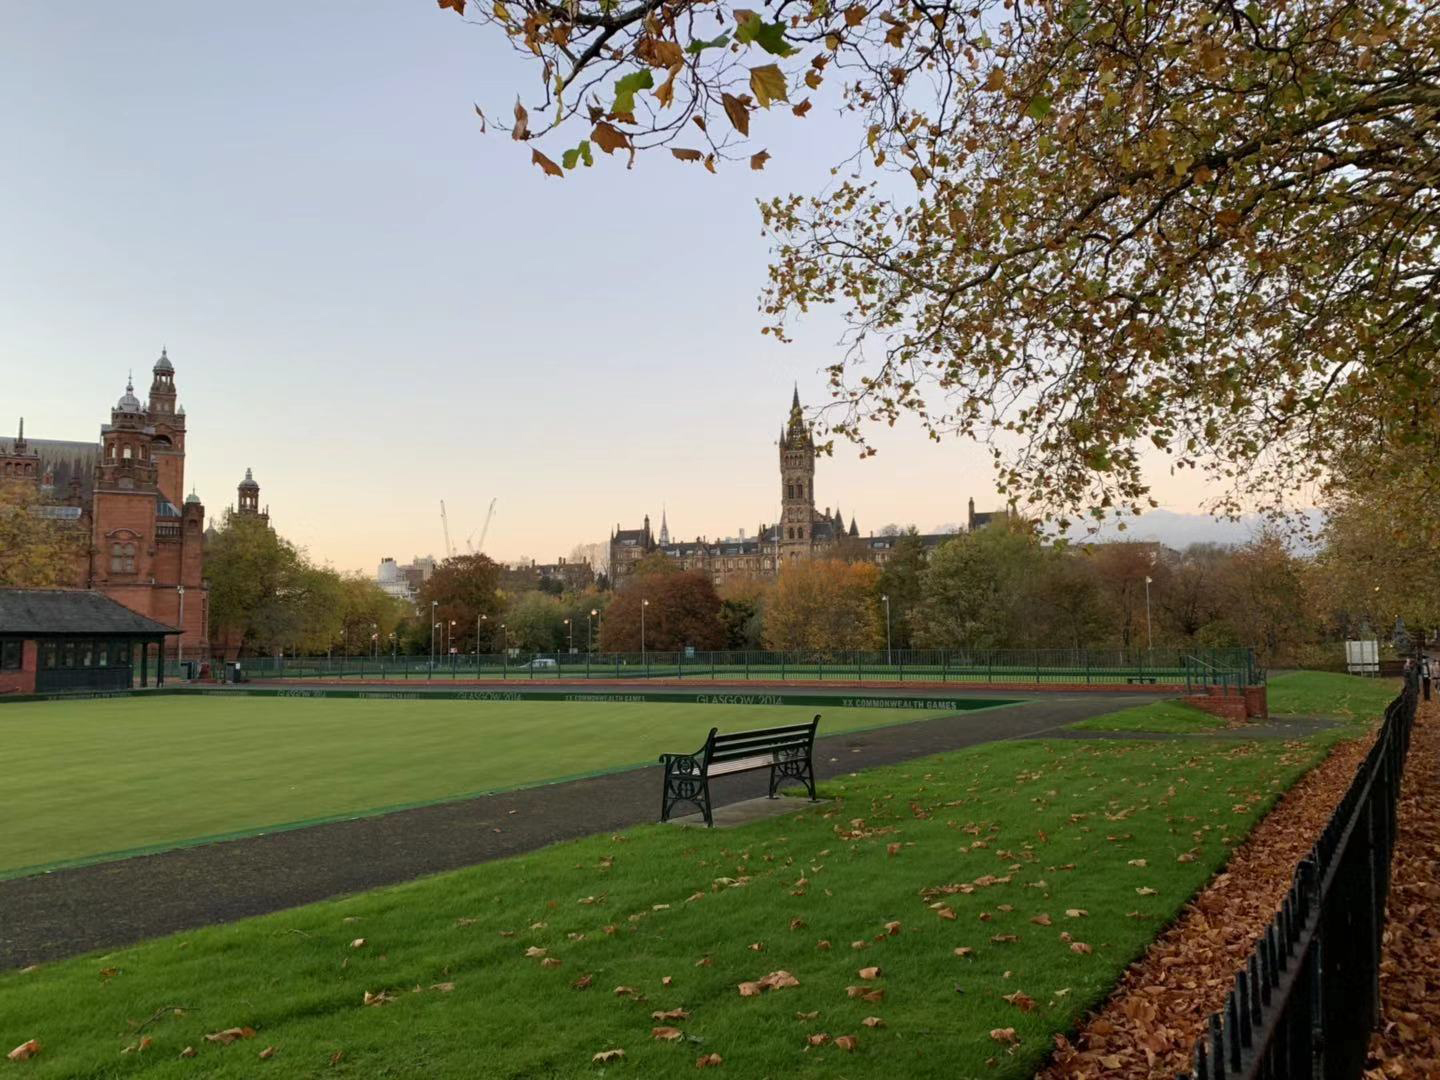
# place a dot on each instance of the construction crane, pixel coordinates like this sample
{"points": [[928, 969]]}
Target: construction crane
{"points": [[445, 523], [485, 530]]}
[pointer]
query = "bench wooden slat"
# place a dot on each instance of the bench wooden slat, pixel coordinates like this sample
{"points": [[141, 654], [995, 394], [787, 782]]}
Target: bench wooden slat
{"points": [[787, 729], [741, 765], [755, 745]]}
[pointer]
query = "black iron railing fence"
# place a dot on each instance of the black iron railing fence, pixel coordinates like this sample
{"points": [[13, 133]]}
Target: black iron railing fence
{"points": [[1188, 667], [1306, 1001]]}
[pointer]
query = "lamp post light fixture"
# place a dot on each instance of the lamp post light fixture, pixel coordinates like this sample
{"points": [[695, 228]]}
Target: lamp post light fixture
{"points": [[888, 657], [643, 605], [450, 643], [570, 631], [589, 635], [482, 617]]}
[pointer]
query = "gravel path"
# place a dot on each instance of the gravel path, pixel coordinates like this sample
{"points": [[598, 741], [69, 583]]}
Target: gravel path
{"points": [[106, 905]]}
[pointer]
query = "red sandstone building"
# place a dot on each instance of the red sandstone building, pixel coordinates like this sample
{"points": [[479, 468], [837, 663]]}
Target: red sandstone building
{"points": [[146, 545]]}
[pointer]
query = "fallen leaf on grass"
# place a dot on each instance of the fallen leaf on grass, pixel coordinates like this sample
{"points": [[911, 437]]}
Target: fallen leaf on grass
{"points": [[807, 1015], [666, 1034], [758, 946], [709, 1061], [443, 987], [139, 1048], [848, 1043], [606, 1056], [1145, 890], [1021, 1000], [751, 989], [945, 912], [797, 924], [873, 1022], [1185, 856], [382, 998], [337, 1057], [1004, 1035], [188, 1052], [666, 980], [859, 944], [550, 962], [704, 961], [670, 1014], [869, 973], [622, 991], [823, 946], [964, 950], [535, 950], [872, 994], [583, 982], [358, 943], [1041, 920], [892, 928], [893, 849], [1005, 939], [779, 980], [109, 972], [267, 1053], [818, 1039], [1081, 948], [229, 1035], [30, 970], [1076, 913], [25, 1051]]}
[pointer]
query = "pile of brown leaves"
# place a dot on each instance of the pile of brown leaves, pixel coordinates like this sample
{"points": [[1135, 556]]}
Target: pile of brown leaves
{"points": [[1149, 1025], [1408, 1043]]}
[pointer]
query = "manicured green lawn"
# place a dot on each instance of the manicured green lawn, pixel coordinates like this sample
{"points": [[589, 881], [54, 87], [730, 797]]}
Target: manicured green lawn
{"points": [[1297, 693], [86, 778], [1087, 838], [1328, 693], [1171, 717]]}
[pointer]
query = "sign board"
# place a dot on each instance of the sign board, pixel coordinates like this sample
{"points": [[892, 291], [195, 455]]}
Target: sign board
{"points": [[1362, 657]]}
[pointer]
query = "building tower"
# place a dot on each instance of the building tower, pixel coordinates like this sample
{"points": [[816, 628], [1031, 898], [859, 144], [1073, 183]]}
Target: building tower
{"points": [[20, 462], [795, 535], [248, 498], [167, 419], [664, 529]]}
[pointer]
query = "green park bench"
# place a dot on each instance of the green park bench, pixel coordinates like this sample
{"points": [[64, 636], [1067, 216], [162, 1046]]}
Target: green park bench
{"points": [[786, 751]]}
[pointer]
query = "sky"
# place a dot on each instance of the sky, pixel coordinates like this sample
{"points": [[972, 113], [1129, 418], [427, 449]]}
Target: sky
{"points": [[376, 307]]}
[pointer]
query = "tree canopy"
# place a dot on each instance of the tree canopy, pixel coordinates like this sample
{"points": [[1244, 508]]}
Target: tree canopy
{"points": [[1086, 226], [35, 550]]}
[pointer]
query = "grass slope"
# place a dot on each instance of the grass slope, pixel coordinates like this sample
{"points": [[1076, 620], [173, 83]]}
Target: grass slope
{"points": [[1296, 693], [90, 777], [1087, 837]]}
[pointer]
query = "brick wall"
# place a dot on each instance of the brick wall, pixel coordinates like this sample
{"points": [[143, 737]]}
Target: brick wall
{"points": [[22, 681]]}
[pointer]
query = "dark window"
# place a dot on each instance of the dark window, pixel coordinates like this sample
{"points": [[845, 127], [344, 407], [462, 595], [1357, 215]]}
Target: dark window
{"points": [[10, 653], [67, 654], [122, 653], [48, 657], [102, 654], [84, 653]]}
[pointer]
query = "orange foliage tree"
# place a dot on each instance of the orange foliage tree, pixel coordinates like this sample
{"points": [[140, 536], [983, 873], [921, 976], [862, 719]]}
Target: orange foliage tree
{"points": [[683, 610], [825, 604]]}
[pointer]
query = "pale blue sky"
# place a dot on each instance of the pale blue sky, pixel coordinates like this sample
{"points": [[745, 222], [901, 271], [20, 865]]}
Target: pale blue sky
{"points": [[376, 307]]}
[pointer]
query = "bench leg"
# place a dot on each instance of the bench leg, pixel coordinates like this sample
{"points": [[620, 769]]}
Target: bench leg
{"points": [[793, 769], [685, 788]]}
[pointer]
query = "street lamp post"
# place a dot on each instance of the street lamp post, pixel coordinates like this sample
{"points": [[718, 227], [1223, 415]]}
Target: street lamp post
{"points": [[180, 641], [375, 639], [643, 605], [888, 658], [450, 643], [478, 620], [433, 624], [589, 634], [1149, 640], [570, 630]]}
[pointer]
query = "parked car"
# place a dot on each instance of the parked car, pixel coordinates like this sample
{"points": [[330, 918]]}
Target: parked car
{"points": [[543, 663]]}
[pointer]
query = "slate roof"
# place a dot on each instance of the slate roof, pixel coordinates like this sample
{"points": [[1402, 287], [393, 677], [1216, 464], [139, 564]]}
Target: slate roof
{"points": [[71, 611], [63, 458]]}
